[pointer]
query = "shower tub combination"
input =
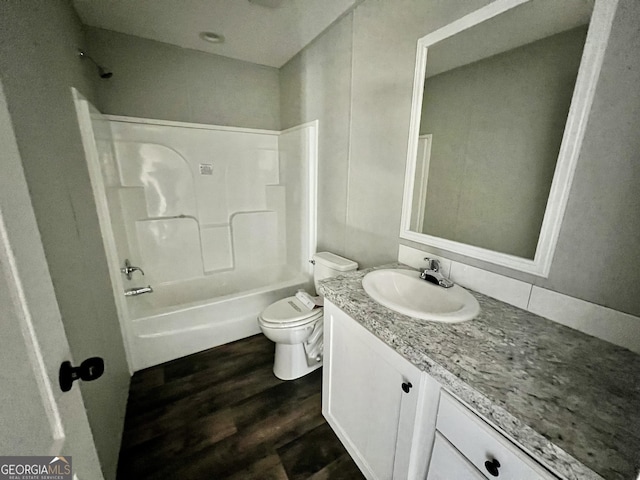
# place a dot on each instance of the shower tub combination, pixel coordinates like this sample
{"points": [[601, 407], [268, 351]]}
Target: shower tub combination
{"points": [[221, 220]]}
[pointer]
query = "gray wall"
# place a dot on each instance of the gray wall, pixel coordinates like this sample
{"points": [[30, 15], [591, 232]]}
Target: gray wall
{"points": [[357, 79], [598, 252], [316, 84], [39, 65], [157, 80], [597, 257], [497, 125]]}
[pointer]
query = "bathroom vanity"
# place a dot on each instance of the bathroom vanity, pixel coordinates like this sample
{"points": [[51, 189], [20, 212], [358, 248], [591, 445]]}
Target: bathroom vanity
{"points": [[508, 394]]}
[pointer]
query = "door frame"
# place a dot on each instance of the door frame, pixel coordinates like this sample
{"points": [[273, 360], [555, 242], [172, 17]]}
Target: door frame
{"points": [[422, 176], [92, 156]]}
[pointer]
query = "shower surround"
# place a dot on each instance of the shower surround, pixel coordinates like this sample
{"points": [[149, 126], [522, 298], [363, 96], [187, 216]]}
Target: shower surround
{"points": [[221, 220]]}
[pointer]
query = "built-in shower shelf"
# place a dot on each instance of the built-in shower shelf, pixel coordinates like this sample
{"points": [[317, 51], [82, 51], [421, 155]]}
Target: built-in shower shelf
{"points": [[171, 247]]}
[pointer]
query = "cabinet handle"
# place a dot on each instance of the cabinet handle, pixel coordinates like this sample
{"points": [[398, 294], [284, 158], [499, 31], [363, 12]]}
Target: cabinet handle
{"points": [[406, 386], [492, 467]]}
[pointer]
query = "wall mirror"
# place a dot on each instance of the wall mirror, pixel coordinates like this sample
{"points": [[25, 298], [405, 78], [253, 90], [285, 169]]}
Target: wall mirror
{"points": [[500, 104]]}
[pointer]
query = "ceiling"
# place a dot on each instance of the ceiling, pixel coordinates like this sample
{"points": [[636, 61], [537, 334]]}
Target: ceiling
{"points": [[524, 24], [268, 34]]}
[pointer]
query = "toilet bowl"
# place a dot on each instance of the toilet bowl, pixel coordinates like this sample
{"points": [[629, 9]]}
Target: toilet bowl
{"points": [[289, 324], [295, 324]]}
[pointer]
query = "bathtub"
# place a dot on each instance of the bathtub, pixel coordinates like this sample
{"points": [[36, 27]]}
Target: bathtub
{"points": [[190, 316], [218, 241]]}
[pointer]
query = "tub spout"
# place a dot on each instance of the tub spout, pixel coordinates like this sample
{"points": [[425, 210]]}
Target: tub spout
{"points": [[132, 292]]}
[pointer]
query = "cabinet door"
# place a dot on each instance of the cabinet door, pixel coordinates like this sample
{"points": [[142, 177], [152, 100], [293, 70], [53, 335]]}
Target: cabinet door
{"points": [[448, 463], [363, 396]]}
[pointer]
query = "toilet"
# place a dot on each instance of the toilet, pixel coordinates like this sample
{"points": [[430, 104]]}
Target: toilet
{"points": [[295, 324]]}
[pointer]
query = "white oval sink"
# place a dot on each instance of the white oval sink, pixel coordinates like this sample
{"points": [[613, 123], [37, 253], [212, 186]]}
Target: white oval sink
{"points": [[405, 292]]}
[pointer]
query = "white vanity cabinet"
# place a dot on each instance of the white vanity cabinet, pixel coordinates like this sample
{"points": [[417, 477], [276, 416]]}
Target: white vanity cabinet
{"points": [[370, 397], [397, 423]]}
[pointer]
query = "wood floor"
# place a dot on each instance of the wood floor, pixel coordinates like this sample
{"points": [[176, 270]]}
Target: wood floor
{"points": [[222, 414]]}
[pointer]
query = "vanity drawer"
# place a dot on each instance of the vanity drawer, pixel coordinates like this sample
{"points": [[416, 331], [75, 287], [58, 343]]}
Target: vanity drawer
{"points": [[448, 463], [481, 443]]}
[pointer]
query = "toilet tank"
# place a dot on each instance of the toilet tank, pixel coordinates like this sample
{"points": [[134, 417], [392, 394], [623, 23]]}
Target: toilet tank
{"points": [[329, 264]]}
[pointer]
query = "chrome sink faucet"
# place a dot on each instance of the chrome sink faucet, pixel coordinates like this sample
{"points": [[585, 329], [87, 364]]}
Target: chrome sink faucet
{"points": [[432, 273], [128, 269]]}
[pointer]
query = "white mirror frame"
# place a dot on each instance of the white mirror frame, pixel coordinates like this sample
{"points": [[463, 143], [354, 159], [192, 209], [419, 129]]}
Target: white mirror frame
{"points": [[588, 73]]}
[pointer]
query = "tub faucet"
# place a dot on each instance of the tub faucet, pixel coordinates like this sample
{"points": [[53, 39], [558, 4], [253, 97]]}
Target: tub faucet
{"points": [[128, 269], [432, 273], [132, 292]]}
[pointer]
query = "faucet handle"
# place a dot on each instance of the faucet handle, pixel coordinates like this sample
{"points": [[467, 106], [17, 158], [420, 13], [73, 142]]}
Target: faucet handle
{"points": [[432, 264], [128, 269]]}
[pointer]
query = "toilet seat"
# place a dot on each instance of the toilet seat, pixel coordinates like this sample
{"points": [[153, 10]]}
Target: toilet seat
{"points": [[289, 312]]}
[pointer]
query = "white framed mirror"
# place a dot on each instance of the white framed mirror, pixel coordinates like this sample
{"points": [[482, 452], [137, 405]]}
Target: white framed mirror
{"points": [[500, 104]]}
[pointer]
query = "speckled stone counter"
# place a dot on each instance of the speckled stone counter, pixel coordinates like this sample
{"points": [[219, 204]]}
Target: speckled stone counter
{"points": [[571, 400]]}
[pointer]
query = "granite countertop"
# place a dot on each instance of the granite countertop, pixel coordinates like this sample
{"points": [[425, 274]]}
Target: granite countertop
{"points": [[571, 400]]}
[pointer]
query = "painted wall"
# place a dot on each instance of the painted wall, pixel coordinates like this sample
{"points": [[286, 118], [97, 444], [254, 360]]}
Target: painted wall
{"points": [[598, 252], [597, 257], [39, 65], [497, 125], [357, 79], [157, 80], [316, 85], [384, 49]]}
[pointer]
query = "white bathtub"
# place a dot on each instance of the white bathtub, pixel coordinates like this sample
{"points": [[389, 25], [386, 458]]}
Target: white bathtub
{"points": [[191, 316], [218, 241]]}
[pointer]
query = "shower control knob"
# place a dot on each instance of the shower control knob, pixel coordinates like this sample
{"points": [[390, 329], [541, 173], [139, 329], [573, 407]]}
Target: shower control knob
{"points": [[406, 386]]}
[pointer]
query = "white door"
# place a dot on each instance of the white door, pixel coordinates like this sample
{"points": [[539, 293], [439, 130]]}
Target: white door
{"points": [[423, 160], [36, 417]]}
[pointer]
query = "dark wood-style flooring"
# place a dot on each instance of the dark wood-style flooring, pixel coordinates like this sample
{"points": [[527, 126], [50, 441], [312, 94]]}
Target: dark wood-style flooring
{"points": [[222, 414]]}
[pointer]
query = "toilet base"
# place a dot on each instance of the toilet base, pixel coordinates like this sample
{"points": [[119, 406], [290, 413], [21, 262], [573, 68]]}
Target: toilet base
{"points": [[290, 362]]}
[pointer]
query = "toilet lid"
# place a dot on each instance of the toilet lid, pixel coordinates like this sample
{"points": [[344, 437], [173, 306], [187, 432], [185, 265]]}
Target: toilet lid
{"points": [[289, 312]]}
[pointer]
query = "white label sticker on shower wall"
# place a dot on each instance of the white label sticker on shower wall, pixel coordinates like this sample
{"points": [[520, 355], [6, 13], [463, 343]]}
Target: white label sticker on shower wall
{"points": [[206, 169]]}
